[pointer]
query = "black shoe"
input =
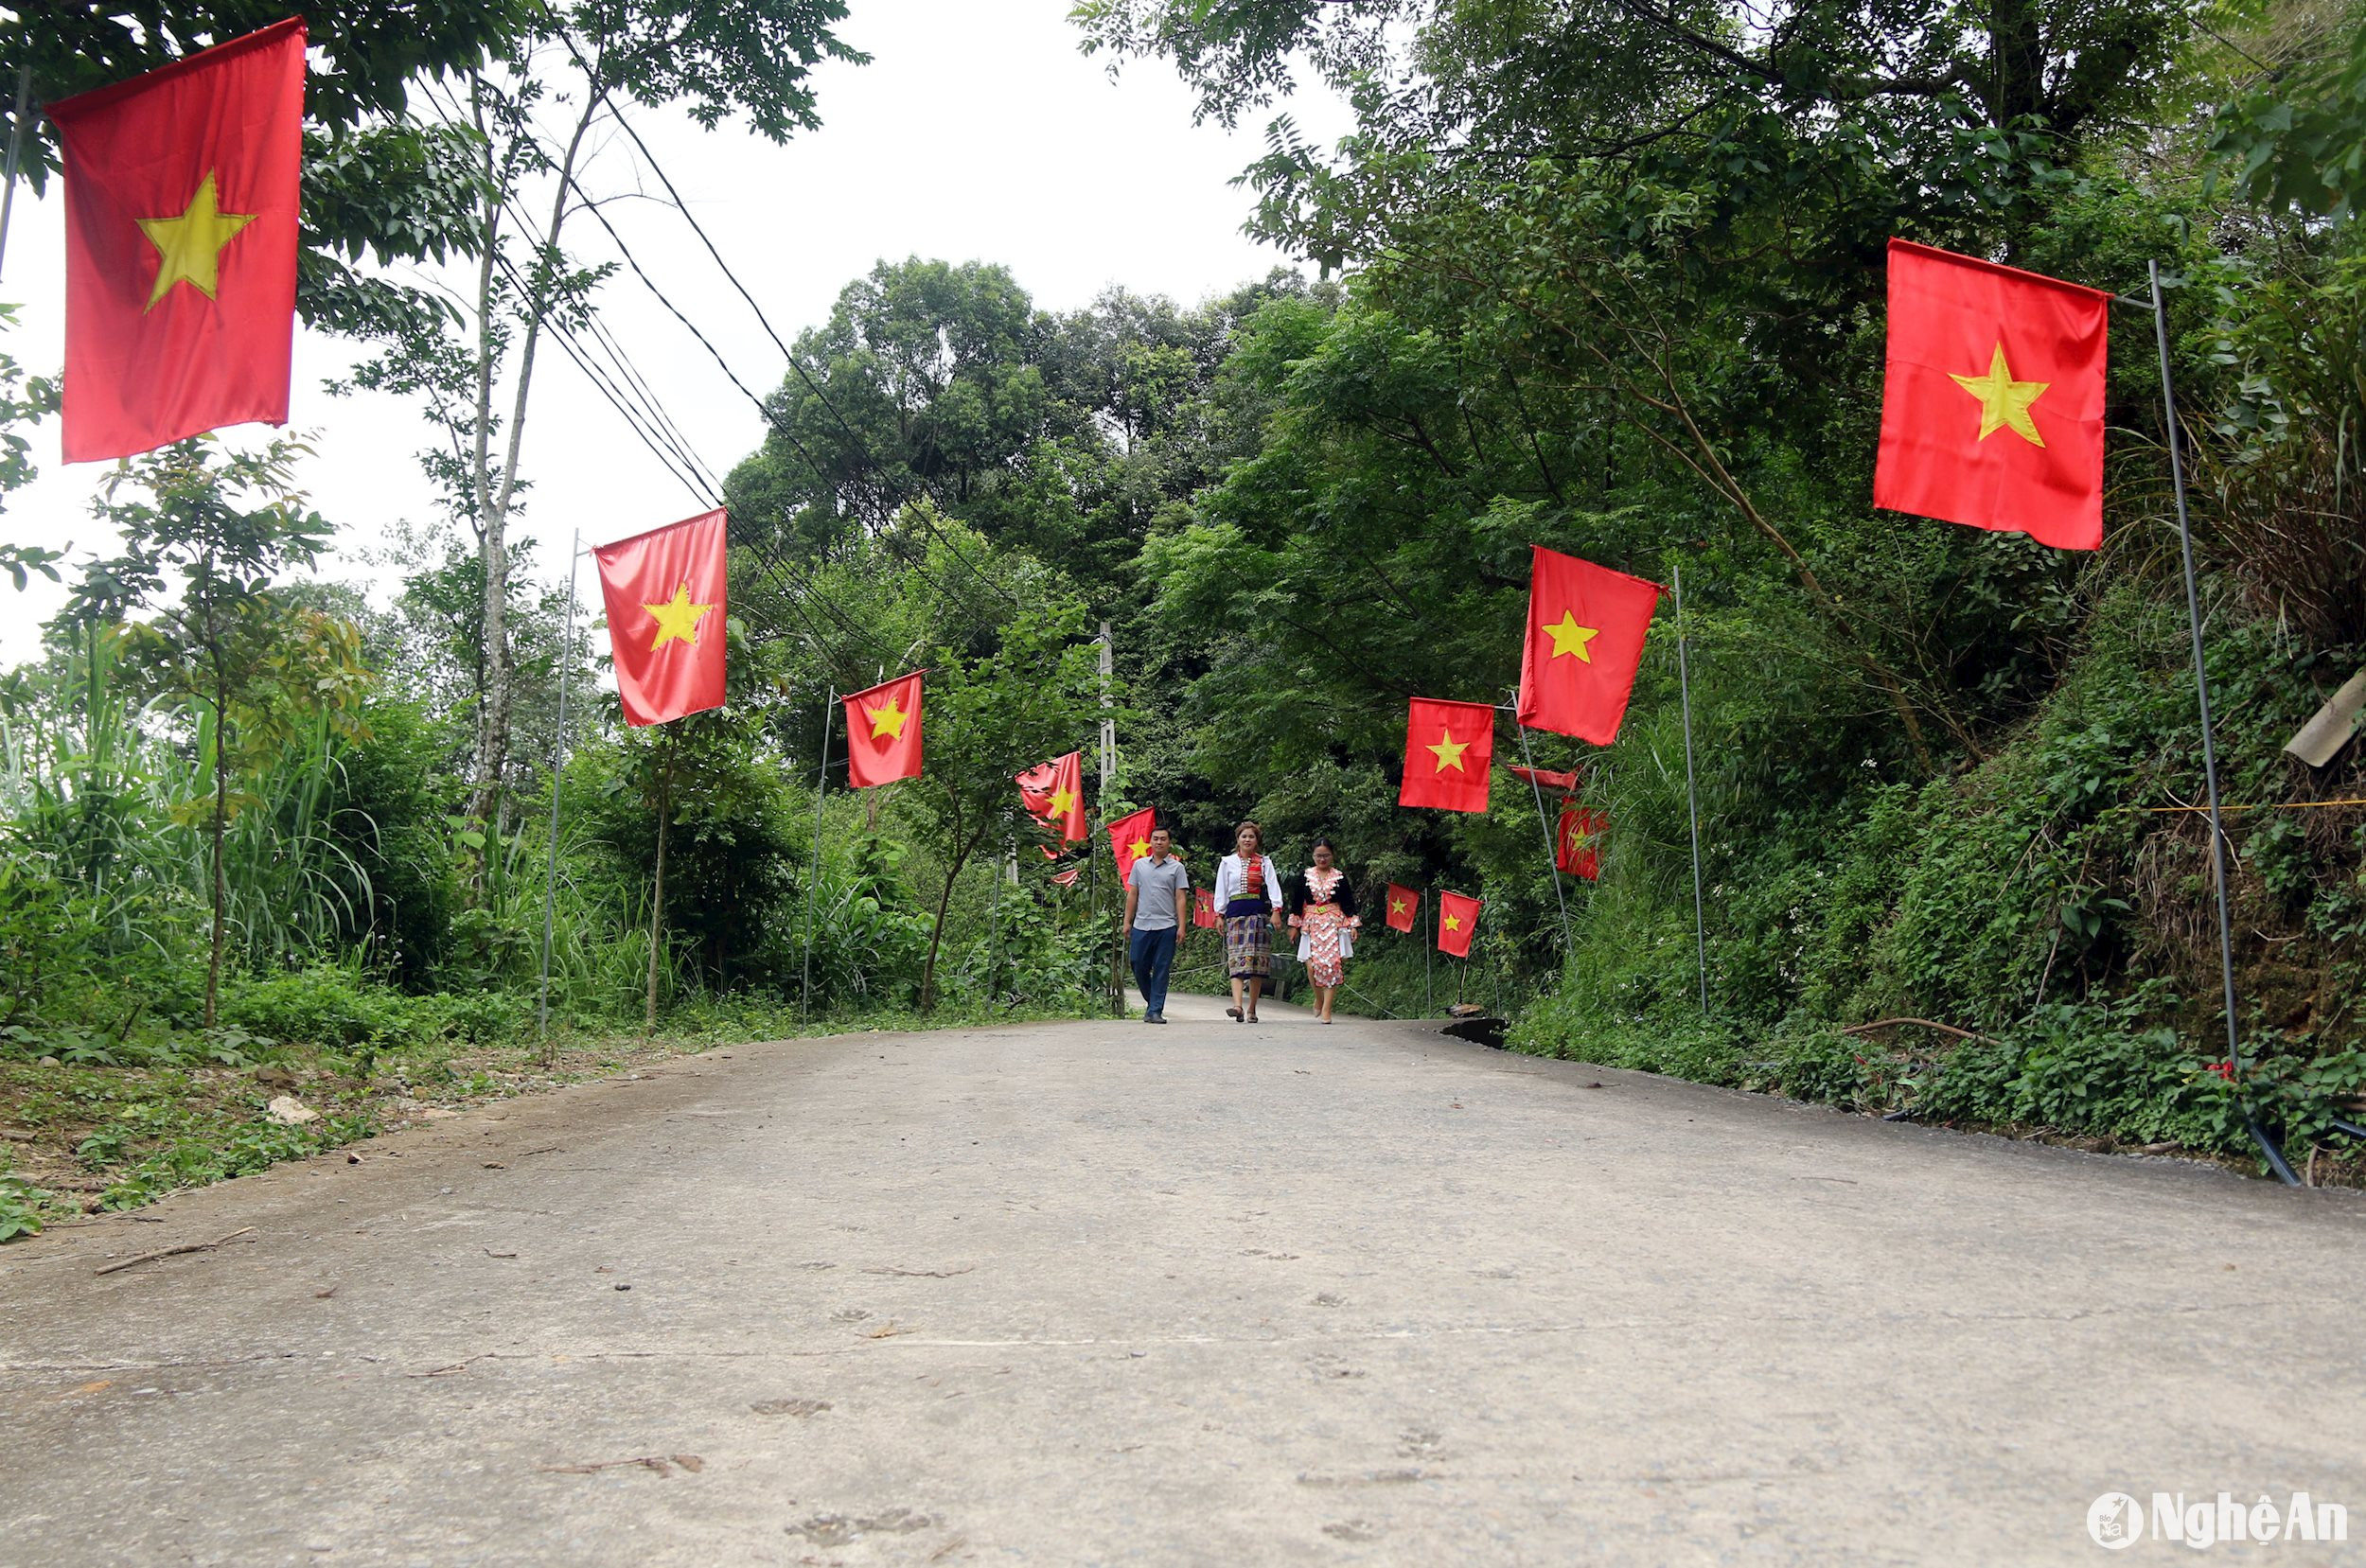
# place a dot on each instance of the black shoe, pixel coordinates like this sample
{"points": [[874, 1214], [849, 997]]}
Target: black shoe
{"points": [[1156, 1018]]}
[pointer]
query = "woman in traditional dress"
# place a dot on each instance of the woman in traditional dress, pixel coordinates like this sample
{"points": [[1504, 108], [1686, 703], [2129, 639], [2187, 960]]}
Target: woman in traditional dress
{"points": [[1248, 895], [1322, 908]]}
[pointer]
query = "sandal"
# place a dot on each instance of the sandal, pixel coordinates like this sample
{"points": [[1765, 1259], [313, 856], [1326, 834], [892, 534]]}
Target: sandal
{"points": [[1233, 1014]]}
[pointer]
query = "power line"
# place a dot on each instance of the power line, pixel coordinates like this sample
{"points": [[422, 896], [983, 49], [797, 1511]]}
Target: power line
{"points": [[666, 441], [773, 419], [794, 364]]}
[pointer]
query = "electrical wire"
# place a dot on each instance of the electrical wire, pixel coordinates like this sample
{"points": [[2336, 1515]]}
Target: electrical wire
{"points": [[795, 364]]}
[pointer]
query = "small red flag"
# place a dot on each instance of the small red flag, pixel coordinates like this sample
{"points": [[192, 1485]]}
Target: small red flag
{"points": [[181, 215], [1204, 909], [1586, 625], [1992, 399], [1458, 922], [1129, 839], [1448, 748], [1067, 878], [665, 609], [883, 733], [1053, 792], [1547, 777], [1574, 847], [1404, 906]]}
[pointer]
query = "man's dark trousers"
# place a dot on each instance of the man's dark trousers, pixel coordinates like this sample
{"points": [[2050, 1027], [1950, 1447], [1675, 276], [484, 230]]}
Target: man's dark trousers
{"points": [[1153, 954]]}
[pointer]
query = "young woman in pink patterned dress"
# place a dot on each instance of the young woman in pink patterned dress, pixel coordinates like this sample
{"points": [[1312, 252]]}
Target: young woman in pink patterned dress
{"points": [[1322, 907]]}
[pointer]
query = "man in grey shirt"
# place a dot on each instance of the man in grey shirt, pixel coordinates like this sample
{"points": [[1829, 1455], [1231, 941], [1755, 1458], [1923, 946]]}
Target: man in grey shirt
{"points": [[1158, 912]]}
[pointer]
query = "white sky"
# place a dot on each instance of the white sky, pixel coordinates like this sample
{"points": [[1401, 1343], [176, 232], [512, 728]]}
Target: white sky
{"points": [[978, 132]]}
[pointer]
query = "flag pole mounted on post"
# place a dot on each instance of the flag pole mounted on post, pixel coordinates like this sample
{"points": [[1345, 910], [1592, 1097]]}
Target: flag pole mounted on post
{"points": [[558, 763], [1552, 845], [2043, 474], [2159, 308], [1692, 794]]}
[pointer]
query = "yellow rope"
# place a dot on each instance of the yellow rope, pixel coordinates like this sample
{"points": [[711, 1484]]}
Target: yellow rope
{"points": [[2276, 806]]}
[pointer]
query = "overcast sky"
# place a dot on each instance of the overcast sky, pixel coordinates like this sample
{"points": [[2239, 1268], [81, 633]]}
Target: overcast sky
{"points": [[978, 132]]}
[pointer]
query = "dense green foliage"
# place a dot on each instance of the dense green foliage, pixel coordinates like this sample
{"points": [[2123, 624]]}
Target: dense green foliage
{"points": [[1613, 286]]}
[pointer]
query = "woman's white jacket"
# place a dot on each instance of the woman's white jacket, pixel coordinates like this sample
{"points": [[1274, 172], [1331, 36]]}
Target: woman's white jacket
{"points": [[1232, 881]]}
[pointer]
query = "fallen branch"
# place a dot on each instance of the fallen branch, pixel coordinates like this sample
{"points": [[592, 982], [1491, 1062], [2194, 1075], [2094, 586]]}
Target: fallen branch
{"points": [[924, 1274], [175, 1252], [1892, 1023]]}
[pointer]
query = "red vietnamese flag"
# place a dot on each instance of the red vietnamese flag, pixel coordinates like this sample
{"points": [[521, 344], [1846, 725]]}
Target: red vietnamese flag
{"points": [[1129, 839], [1204, 909], [1404, 906], [1575, 846], [883, 733], [665, 609], [1458, 922], [1068, 878], [1448, 748], [1992, 400], [180, 210], [1053, 792], [1586, 625]]}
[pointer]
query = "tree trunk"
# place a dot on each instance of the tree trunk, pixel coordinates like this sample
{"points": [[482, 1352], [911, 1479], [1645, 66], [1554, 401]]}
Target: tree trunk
{"points": [[962, 850], [656, 892], [493, 507]]}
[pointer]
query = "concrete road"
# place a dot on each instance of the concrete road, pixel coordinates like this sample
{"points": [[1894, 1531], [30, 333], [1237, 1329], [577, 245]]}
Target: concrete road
{"points": [[1106, 1292]]}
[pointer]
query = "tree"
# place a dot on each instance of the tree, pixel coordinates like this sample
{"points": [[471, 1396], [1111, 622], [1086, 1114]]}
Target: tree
{"points": [[744, 58], [223, 530], [1036, 695]]}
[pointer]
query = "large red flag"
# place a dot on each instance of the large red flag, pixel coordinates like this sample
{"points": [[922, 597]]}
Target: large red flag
{"points": [[1448, 748], [1129, 839], [1576, 847], [1992, 401], [181, 209], [883, 733], [1404, 906], [1458, 922], [1586, 625], [1054, 793], [1204, 909], [665, 610]]}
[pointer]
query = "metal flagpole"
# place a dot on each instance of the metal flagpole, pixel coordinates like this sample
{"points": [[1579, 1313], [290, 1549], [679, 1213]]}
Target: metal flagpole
{"points": [[2209, 750], [1692, 793], [813, 885], [1108, 776], [558, 763], [16, 147], [1429, 954], [1552, 848]]}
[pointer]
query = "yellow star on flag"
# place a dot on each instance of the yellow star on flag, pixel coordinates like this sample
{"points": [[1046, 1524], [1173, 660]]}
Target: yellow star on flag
{"points": [[1396, 906], [1449, 751], [1141, 847], [188, 248], [1061, 801], [1569, 637], [677, 618], [886, 719], [2004, 402], [1454, 923]]}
